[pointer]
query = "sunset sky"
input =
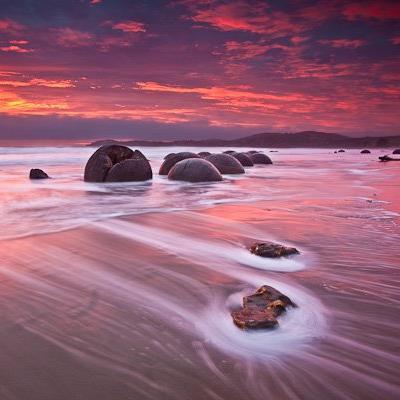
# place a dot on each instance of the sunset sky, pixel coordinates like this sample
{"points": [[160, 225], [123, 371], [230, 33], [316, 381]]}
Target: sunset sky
{"points": [[197, 68]]}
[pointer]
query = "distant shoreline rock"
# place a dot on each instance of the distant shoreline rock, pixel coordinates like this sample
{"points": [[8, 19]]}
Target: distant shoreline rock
{"points": [[36, 173]]}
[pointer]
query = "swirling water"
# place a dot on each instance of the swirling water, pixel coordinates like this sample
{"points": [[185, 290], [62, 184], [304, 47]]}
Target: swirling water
{"points": [[124, 291]]}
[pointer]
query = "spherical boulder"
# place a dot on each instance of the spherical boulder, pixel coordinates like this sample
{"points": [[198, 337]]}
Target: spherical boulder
{"points": [[365, 151], [226, 164], [130, 170], [194, 170], [104, 159], [244, 159], [204, 154], [260, 158], [172, 160], [396, 151], [169, 156], [36, 173]]}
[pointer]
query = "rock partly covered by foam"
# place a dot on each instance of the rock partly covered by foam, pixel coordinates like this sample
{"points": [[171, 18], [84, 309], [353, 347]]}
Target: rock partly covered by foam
{"points": [[244, 159], [365, 151], [226, 164], [260, 158], [173, 159], [261, 309], [388, 158], [194, 170], [272, 250], [396, 151], [107, 157], [36, 173]]}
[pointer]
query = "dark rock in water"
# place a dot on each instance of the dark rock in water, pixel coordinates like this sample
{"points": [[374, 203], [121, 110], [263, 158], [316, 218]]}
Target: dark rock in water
{"points": [[169, 156], [194, 170], [171, 161], [341, 151], [335, 151], [229, 152], [244, 159], [272, 250], [103, 159], [107, 158], [274, 151], [226, 164], [36, 173], [252, 151], [396, 151], [388, 158], [204, 154], [365, 151], [260, 158], [261, 309], [130, 170]]}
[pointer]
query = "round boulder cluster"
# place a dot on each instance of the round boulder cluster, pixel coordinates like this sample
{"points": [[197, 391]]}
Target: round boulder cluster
{"points": [[226, 164], [116, 163], [173, 159], [194, 170]]}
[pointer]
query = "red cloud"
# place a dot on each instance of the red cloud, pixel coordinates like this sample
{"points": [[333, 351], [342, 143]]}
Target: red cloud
{"points": [[10, 26], [68, 37], [130, 26], [15, 49], [343, 43], [375, 9]]}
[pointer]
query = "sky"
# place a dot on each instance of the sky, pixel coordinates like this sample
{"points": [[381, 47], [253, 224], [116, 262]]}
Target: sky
{"points": [[197, 68]]}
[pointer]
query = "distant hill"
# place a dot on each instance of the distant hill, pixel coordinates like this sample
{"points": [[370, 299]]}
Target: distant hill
{"points": [[308, 139]]}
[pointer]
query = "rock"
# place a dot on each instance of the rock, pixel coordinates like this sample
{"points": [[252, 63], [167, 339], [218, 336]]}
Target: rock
{"points": [[229, 152], [36, 173], [341, 151], [272, 250], [260, 158], [204, 154], [169, 156], [130, 170], [226, 164], [252, 152], [396, 151], [244, 159], [171, 161], [103, 159], [194, 170], [365, 151], [106, 159], [261, 309], [388, 158], [335, 151]]}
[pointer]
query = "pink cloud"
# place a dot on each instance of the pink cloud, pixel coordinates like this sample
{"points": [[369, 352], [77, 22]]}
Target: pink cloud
{"points": [[10, 26], [50, 83], [343, 43], [396, 40], [15, 49], [68, 37], [130, 26]]}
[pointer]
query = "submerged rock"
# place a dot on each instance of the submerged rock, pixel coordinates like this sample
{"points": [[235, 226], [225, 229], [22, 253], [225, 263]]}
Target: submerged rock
{"points": [[341, 151], [244, 159], [104, 159], [365, 151], [226, 164], [260, 158], [173, 159], [396, 151], [261, 309], [388, 158], [272, 250], [36, 173], [194, 170]]}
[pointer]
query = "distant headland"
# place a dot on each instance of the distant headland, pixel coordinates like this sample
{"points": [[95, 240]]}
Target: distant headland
{"points": [[305, 139]]}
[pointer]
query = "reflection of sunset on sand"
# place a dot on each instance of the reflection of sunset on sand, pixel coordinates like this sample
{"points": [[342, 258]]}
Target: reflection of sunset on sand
{"points": [[144, 300]]}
